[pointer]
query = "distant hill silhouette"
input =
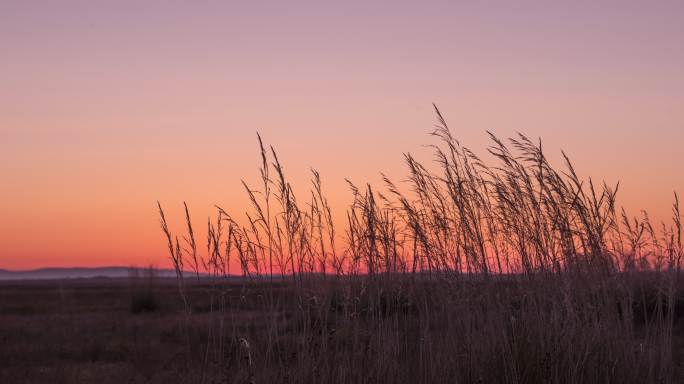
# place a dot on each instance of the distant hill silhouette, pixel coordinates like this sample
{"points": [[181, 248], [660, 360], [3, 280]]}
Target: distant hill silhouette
{"points": [[78, 273]]}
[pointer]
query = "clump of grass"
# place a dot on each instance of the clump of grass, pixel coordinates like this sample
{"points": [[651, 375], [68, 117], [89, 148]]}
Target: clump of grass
{"points": [[142, 284], [506, 269]]}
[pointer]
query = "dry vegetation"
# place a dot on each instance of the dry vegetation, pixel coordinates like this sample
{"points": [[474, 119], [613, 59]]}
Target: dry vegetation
{"points": [[509, 272], [505, 272]]}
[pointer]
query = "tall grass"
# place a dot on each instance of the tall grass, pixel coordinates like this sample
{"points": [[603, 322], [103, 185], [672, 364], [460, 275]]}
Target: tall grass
{"points": [[499, 270]]}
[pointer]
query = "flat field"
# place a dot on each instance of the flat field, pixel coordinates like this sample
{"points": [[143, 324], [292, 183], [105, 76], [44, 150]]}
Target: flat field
{"points": [[392, 329]]}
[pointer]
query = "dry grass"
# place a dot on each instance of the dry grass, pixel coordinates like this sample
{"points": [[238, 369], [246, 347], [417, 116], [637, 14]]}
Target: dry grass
{"points": [[473, 270], [400, 330], [508, 271]]}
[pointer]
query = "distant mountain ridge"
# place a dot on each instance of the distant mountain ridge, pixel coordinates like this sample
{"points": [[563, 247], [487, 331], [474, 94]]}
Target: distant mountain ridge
{"points": [[80, 273]]}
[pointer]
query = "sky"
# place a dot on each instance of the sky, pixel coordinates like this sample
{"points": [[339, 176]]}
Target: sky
{"points": [[108, 106]]}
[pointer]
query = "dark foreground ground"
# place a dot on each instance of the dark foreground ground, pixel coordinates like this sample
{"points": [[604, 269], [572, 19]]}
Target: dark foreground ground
{"points": [[139, 331]]}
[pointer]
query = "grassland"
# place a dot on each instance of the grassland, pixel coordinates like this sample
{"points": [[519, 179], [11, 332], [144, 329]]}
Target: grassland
{"points": [[504, 269], [401, 331]]}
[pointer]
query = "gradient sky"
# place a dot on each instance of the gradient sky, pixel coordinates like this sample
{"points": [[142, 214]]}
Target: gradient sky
{"points": [[106, 107]]}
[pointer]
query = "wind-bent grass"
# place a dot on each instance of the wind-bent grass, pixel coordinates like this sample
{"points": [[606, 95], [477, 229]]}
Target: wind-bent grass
{"points": [[511, 271]]}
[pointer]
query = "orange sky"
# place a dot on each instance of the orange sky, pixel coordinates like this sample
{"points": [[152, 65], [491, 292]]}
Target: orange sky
{"points": [[105, 109]]}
